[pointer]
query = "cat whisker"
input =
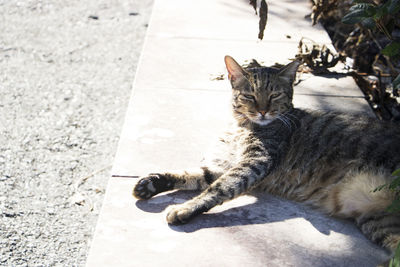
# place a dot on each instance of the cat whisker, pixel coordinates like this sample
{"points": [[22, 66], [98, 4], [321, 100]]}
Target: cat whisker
{"points": [[290, 114], [293, 120], [289, 119], [285, 122]]}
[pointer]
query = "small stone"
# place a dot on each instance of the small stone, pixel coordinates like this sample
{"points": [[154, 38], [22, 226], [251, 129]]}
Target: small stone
{"points": [[50, 211], [78, 199], [5, 177]]}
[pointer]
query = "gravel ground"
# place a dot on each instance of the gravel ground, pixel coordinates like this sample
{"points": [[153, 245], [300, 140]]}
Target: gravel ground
{"points": [[66, 69]]}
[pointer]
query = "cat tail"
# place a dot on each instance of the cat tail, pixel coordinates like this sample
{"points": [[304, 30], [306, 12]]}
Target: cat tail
{"points": [[382, 228]]}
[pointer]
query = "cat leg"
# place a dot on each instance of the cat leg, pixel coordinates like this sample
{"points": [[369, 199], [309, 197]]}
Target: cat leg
{"points": [[230, 185], [156, 183], [382, 228]]}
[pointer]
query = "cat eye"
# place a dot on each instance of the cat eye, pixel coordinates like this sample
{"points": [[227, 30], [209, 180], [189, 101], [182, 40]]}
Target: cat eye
{"points": [[248, 97], [275, 95]]}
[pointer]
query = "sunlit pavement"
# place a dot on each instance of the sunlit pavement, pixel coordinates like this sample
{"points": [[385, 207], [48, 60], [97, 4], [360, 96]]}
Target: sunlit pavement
{"points": [[178, 108]]}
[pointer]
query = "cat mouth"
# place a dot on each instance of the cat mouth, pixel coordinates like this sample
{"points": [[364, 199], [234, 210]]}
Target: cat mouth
{"points": [[262, 121], [256, 119]]}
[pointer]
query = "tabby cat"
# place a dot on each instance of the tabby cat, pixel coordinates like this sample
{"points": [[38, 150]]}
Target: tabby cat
{"points": [[329, 160]]}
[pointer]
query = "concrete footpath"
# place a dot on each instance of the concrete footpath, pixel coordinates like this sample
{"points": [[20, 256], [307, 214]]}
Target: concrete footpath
{"points": [[178, 108]]}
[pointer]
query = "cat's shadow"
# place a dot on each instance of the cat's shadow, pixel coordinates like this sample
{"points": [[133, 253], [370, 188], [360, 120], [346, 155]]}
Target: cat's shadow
{"points": [[251, 210], [263, 211]]}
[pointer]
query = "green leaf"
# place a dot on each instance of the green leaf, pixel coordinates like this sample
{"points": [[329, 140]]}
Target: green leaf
{"points": [[368, 23], [391, 49], [381, 11], [353, 17], [396, 85], [395, 183], [395, 206], [368, 9], [379, 188], [358, 13], [396, 172], [397, 252], [395, 261], [393, 6]]}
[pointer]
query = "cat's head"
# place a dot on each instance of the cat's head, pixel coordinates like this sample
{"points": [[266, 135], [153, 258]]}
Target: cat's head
{"points": [[261, 94]]}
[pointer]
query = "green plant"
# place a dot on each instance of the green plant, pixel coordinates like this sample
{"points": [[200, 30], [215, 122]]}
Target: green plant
{"points": [[395, 261], [393, 186], [371, 16], [382, 17], [394, 207]]}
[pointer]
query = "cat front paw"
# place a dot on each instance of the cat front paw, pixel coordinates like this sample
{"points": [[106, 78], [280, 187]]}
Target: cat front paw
{"points": [[181, 214], [149, 186]]}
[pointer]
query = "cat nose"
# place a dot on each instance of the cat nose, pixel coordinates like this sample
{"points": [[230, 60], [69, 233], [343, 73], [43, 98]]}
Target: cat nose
{"points": [[263, 112]]}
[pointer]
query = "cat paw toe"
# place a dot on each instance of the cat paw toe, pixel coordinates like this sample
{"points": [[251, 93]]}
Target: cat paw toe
{"points": [[145, 188], [178, 215], [181, 214]]}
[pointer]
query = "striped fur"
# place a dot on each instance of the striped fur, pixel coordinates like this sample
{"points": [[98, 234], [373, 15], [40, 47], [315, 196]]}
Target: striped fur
{"points": [[328, 160]]}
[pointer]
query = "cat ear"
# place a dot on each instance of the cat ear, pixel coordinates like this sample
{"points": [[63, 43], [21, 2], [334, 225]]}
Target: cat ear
{"points": [[288, 72], [235, 71]]}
